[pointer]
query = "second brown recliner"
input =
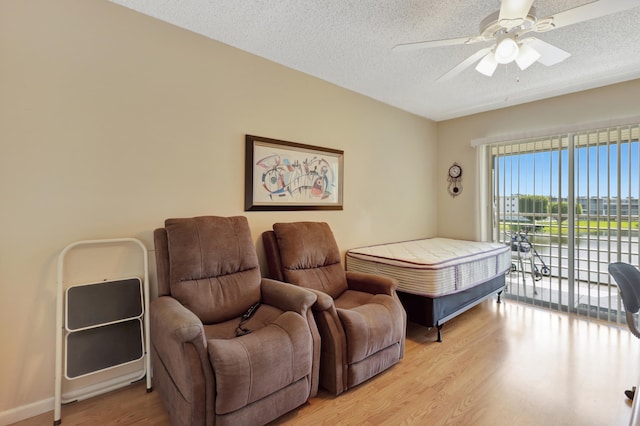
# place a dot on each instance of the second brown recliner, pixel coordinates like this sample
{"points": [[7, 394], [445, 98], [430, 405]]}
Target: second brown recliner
{"points": [[361, 321]]}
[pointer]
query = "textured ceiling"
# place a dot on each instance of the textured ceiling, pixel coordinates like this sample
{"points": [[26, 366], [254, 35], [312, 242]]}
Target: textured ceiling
{"points": [[349, 42]]}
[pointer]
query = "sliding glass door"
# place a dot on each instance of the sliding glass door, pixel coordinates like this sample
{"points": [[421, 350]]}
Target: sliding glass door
{"points": [[567, 205]]}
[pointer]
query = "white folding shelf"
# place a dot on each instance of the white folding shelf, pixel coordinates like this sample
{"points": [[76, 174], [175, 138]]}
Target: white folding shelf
{"points": [[100, 326]]}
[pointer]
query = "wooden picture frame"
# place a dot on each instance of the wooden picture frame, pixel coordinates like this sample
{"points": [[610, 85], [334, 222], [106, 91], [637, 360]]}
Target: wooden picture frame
{"points": [[281, 175]]}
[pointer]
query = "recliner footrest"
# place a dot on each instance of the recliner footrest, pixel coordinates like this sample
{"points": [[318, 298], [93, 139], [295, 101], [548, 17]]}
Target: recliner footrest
{"points": [[252, 366]]}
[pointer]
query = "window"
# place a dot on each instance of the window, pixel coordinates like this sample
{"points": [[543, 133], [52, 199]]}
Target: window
{"points": [[567, 205]]}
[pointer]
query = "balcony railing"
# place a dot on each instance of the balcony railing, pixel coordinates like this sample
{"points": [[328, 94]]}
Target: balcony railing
{"points": [[542, 273]]}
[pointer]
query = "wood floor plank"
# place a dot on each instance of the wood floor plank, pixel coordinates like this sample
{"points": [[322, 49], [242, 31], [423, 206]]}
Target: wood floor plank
{"points": [[499, 364]]}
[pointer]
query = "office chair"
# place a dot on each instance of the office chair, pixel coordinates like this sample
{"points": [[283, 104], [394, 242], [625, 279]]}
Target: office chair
{"points": [[628, 279]]}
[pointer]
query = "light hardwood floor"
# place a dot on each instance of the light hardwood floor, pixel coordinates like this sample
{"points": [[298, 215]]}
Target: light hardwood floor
{"points": [[507, 364]]}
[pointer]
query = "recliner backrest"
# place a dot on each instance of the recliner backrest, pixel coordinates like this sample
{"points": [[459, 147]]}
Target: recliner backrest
{"points": [[310, 256], [212, 266]]}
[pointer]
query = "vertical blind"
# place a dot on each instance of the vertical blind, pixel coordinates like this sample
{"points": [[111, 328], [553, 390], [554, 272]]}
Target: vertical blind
{"points": [[568, 206]]}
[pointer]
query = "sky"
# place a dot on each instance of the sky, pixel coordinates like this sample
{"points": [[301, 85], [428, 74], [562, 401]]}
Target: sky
{"points": [[595, 171]]}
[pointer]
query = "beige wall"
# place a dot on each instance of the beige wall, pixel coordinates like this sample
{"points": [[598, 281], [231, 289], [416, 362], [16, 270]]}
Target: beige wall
{"points": [[111, 121], [457, 216]]}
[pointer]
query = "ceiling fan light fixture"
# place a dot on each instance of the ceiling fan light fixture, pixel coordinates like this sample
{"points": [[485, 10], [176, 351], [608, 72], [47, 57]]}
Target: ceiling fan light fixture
{"points": [[487, 65], [506, 51], [527, 56]]}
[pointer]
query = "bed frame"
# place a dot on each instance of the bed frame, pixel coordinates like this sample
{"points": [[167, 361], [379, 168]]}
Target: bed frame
{"points": [[435, 311]]}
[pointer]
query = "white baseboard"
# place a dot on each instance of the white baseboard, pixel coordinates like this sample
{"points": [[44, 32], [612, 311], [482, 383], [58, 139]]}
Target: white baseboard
{"points": [[26, 411]]}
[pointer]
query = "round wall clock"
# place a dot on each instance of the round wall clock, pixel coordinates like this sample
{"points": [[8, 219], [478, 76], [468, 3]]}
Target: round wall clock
{"points": [[455, 178]]}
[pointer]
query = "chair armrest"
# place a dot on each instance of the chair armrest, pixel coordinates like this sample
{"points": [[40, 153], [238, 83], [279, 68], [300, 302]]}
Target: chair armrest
{"points": [[324, 302], [176, 323], [378, 284], [174, 328], [633, 328], [371, 283], [287, 297]]}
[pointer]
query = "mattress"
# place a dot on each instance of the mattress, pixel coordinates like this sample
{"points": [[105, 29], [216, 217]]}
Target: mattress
{"points": [[434, 266]]}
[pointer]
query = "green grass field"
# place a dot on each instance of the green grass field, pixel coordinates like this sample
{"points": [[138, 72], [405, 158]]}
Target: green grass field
{"points": [[582, 227]]}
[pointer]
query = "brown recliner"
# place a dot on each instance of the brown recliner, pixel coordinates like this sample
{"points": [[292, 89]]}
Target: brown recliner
{"points": [[208, 278], [361, 321]]}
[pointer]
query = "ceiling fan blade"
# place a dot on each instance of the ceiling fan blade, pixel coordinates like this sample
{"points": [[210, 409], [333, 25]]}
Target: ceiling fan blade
{"points": [[589, 11], [436, 43], [464, 64], [549, 54], [513, 12]]}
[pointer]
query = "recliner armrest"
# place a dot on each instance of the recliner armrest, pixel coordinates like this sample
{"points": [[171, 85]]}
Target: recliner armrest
{"points": [[173, 329], [371, 283], [324, 302], [176, 323], [287, 297]]}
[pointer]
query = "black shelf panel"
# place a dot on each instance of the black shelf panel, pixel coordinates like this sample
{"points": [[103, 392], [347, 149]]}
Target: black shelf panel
{"points": [[105, 302], [99, 348]]}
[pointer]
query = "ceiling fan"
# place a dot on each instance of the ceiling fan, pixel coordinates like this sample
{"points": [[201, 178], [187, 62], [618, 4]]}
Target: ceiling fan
{"points": [[509, 28]]}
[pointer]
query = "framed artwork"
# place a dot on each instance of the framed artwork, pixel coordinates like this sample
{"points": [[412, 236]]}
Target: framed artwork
{"points": [[282, 175]]}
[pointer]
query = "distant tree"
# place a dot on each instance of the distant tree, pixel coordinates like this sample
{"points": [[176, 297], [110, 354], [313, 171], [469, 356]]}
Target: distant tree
{"points": [[564, 209], [534, 206]]}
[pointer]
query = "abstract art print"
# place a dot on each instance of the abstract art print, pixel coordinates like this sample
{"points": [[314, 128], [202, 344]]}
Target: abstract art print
{"points": [[282, 175]]}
